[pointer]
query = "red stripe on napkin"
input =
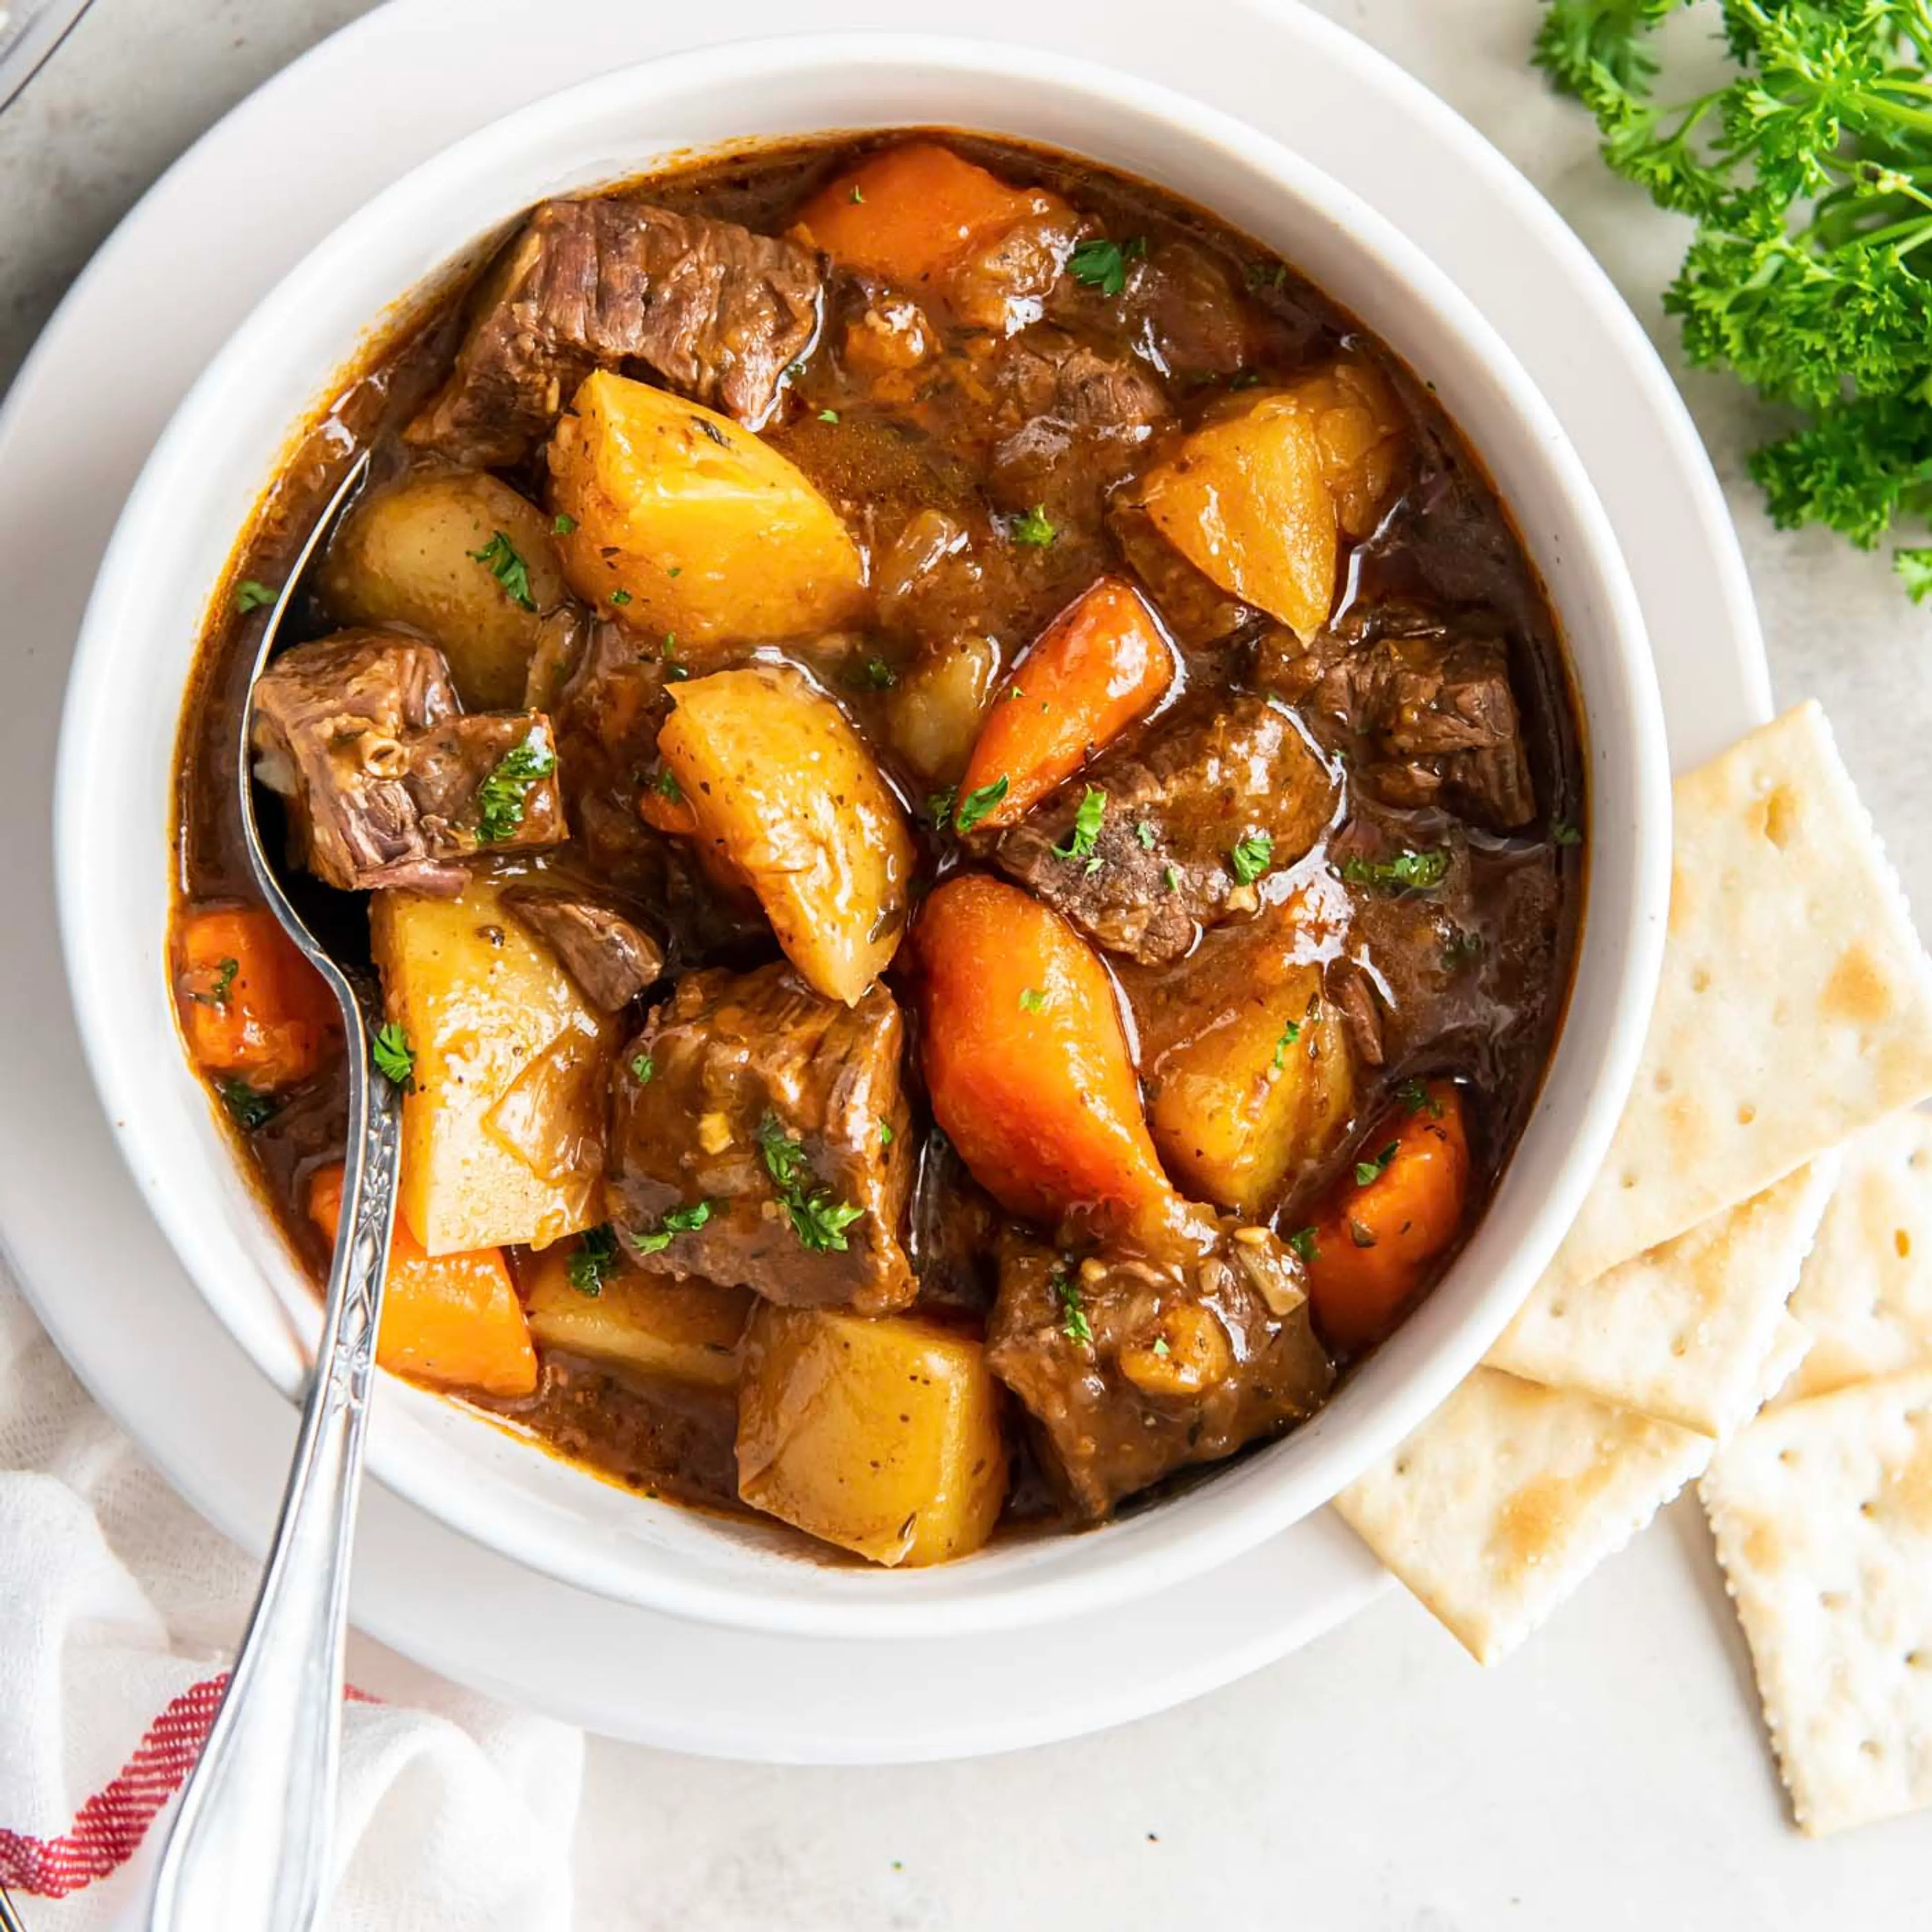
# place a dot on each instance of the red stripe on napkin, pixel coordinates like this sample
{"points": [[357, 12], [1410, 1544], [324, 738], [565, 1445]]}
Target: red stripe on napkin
{"points": [[109, 1827]]}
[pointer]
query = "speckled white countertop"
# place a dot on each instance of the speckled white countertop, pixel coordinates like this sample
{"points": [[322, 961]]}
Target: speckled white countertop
{"points": [[1612, 1775]]}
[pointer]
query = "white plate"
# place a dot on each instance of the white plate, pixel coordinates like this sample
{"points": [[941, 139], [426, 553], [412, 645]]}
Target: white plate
{"points": [[80, 420]]}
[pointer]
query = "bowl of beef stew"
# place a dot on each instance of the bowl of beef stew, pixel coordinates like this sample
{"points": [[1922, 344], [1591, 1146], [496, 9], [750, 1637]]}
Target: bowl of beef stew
{"points": [[1005, 789]]}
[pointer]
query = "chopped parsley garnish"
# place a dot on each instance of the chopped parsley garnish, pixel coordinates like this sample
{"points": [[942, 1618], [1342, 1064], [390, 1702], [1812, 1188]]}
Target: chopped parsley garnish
{"points": [[939, 806], [975, 805], [1036, 528], [828, 415], [250, 595], [1146, 834], [1251, 857], [885, 1133], [564, 525], [249, 1106], [1563, 832], [594, 1261], [1414, 1096], [1367, 1171], [501, 796], [1290, 1033], [620, 597], [1160, 1347], [666, 785], [1407, 871], [1102, 265], [1073, 1322], [509, 569], [679, 1221], [395, 1059], [1302, 1241], [216, 995], [1033, 1000], [858, 193], [642, 1067], [1171, 879], [1080, 841], [817, 1219], [878, 675]]}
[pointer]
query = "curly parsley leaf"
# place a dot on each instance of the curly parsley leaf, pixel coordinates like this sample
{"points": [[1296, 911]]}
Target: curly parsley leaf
{"points": [[818, 1220], [500, 798], [594, 1261], [1407, 871], [499, 556], [249, 1106], [1080, 841], [1073, 1322], [395, 1059], [1036, 528], [1251, 857], [678, 1221], [975, 805]]}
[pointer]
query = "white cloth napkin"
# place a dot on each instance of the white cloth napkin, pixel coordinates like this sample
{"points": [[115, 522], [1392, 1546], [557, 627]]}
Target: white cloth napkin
{"points": [[119, 1610]]}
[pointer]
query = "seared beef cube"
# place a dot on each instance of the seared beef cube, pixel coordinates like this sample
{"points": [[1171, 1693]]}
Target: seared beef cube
{"points": [[610, 956], [1437, 710], [1069, 421], [717, 311], [1222, 773], [1135, 1364], [386, 782], [954, 1230], [782, 1112]]}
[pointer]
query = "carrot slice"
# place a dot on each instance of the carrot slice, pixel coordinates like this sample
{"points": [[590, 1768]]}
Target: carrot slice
{"points": [[907, 212], [253, 1008], [452, 1321], [1025, 1057], [1101, 664], [1367, 1255]]}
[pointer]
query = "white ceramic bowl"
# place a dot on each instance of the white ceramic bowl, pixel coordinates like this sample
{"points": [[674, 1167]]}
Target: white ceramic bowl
{"points": [[114, 807]]}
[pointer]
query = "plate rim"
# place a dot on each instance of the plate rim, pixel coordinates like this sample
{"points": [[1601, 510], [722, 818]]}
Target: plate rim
{"points": [[1640, 361]]}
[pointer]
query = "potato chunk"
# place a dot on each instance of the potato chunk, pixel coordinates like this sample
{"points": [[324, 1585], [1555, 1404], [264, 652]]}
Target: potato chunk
{"points": [[1259, 496], [503, 1129], [462, 558], [1250, 1071], [689, 525], [680, 1331], [881, 1436], [786, 796]]}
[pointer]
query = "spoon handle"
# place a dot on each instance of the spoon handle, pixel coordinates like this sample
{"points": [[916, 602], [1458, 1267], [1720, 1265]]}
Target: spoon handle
{"points": [[251, 1845]]}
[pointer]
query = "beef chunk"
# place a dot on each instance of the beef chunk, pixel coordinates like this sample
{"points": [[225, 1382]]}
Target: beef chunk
{"points": [[1133, 1364], [766, 1102], [1220, 771], [715, 310], [1436, 710], [955, 1232], [384, 777], [1068, 421], [610, 956], [1001, 284]]}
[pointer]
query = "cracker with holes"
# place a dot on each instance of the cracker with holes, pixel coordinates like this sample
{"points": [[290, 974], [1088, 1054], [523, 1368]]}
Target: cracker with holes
{"points": [[1795, 1005], [1822, 1512], [1509, 1496], [1866, 1292], [1681, 1333]]}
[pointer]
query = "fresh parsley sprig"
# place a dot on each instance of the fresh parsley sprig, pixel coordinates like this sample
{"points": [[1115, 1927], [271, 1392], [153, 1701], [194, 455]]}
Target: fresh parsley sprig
{"points": [[818, 1220], [1808, 172]]}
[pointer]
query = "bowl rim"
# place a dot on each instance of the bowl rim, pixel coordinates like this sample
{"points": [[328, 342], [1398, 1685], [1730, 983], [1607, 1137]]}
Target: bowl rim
{"points": [[1191, 1538]]}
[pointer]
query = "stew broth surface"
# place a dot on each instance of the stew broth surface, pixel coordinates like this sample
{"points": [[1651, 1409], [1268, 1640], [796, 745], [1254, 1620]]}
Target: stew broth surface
{"points": [[994, 448]]}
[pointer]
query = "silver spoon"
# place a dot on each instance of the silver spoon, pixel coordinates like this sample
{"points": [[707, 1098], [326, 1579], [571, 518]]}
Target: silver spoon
{"points": [[250, 1848]]}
